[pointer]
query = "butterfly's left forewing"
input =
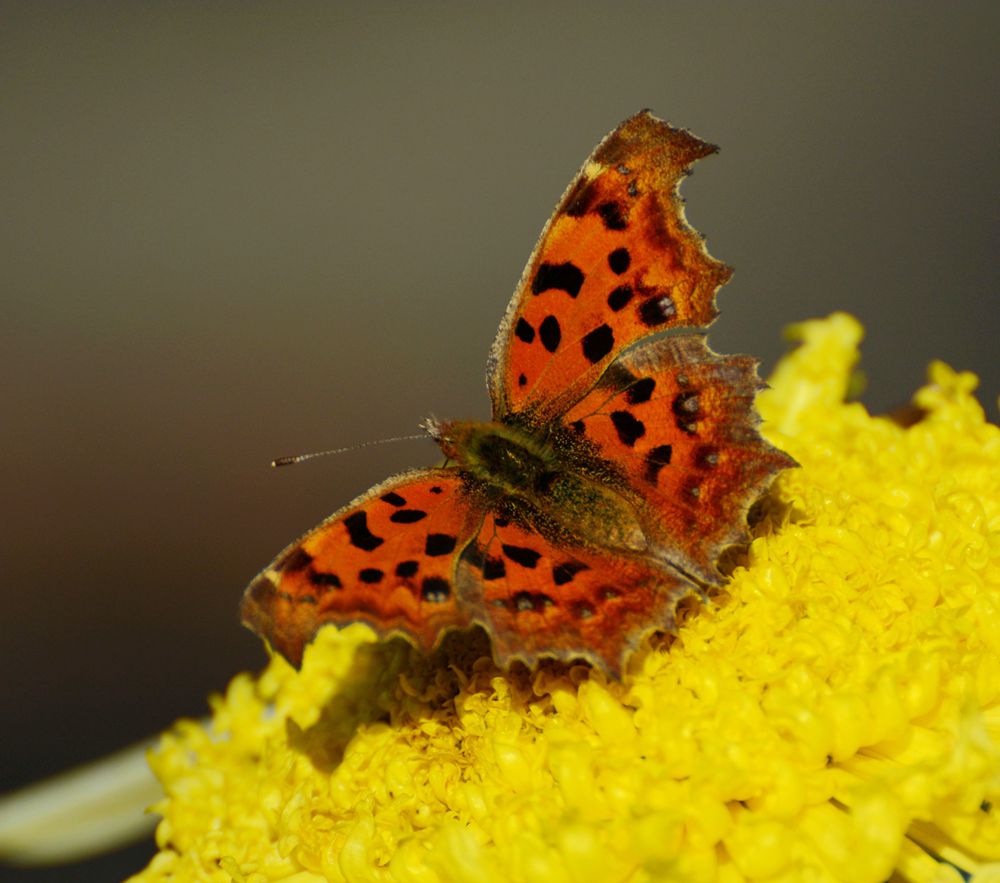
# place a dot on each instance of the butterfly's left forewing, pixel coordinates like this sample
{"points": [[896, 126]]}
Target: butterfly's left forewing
{"points": [[388, 559]]}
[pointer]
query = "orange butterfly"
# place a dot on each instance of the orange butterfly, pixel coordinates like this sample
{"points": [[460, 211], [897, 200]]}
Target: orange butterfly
{"points": [[611, 477]]}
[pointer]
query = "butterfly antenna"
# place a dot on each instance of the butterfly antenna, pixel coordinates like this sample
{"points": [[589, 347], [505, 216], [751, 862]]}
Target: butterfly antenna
{"points": [[298, 458]]}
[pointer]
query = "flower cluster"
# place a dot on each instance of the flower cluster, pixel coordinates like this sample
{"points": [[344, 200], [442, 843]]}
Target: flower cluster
{"points": [[834, 715]]}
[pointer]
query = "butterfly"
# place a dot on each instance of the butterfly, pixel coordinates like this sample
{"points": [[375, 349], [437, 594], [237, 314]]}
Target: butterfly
{"points": [[620, 462]]}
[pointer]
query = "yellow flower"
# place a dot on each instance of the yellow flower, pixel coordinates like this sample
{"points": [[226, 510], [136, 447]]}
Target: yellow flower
{"points": [[835, 716]]}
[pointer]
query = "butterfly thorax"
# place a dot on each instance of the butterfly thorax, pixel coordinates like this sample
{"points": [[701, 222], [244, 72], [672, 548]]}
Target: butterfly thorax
{"points": [[521, 470]]}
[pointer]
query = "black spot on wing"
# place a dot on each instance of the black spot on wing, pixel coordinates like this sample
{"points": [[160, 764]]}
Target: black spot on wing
{"points": [[656, 459], [598, 343], [612, 215], [326, 579], [550, 333], [371, 575], [393, 499], [565, 572], [629, 429], [640, 391], [439, 544], [523, 331], [407, 516], [521, 555], [407, 568], [565, 277], [494, 568], [620, 297], [361, 536], [619, 261]]}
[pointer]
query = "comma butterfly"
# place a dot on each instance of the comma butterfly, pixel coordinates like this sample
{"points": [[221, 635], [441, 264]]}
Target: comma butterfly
{"points": [[614, 472]]}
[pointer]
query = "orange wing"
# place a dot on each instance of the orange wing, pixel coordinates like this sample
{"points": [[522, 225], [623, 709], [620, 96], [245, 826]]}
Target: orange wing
{"points": [[537, 598], [615, 263], [679, 421], [388, 559]]}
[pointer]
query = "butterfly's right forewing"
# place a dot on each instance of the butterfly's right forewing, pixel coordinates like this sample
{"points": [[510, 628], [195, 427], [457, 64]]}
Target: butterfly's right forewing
{"points": [[616, 263], [678, 422]]}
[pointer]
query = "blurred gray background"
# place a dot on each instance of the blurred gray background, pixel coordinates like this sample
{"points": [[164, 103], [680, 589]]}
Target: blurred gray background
{"points": [[233, 231]]}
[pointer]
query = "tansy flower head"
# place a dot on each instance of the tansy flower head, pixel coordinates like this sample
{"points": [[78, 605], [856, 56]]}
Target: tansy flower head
{"points": [[835, 716]]}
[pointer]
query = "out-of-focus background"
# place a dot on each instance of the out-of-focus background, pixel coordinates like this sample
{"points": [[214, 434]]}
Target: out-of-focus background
{"points": [[231, 231]]}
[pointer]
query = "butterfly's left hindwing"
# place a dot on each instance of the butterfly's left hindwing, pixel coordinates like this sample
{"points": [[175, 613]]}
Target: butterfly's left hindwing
{"points": [[388, 559]]}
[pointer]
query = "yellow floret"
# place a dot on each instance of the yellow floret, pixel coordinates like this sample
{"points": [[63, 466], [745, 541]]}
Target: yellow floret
{"points": [[834, 717]]}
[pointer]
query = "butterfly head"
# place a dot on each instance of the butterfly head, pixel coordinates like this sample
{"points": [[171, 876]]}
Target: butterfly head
{"points": [[448, 434], [433, 427]]}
